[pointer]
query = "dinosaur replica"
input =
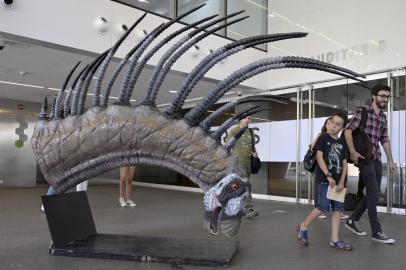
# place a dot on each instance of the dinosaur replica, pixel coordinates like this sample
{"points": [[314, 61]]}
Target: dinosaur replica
{"points": [[72, 144]]}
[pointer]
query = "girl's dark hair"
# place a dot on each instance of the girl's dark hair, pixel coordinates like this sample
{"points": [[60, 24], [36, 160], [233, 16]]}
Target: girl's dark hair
{"points": [[324, 127]]}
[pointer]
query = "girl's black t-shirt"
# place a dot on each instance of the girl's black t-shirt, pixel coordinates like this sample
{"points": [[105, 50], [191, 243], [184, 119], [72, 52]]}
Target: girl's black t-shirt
{"points": [[334, 152]]}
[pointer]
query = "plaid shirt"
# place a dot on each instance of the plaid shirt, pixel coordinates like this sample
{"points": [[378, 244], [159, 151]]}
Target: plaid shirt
{"points": [[376, 128]]}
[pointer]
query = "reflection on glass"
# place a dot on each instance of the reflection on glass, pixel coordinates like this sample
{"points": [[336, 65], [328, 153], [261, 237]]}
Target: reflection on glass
{"points": [[212, 7], [256, 24], [164, 8]]}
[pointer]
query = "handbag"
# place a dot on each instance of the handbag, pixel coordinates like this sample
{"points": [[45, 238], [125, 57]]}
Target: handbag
{"points": [[255, 161]]}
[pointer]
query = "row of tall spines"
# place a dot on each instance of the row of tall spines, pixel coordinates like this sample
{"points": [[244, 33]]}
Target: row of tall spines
{"points": [[131, 55], [208, 122], [68, 99], [233, 120], [82, 80], [171, 56], [218, 55], [106, 62], [56, 110], [88, 80], [126, 91], [195, 116], [140, 66], [170, 52], [57, 113]]}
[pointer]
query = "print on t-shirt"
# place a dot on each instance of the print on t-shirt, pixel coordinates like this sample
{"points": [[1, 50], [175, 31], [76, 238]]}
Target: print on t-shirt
{"points": [[334, 157]]}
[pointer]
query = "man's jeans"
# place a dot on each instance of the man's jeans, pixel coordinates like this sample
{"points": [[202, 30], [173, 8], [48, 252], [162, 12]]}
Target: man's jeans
{"points": [[372, 175]]}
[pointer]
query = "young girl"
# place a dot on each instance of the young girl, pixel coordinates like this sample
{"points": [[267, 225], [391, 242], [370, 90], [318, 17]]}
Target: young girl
{"points": [[330, 171], [324, 130], [126, 179]]}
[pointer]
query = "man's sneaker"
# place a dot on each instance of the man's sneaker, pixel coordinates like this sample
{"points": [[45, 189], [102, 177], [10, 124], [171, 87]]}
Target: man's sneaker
{"points": [[340, 244], [383, 238], [343, 216], [251, 213], [130, 203], [322, 216], [353, 226], [302, 236], [122, 202]]}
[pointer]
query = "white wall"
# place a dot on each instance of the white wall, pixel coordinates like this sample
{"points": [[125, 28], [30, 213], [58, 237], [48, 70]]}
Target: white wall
{"points": [[70, 23], [364, 35]]}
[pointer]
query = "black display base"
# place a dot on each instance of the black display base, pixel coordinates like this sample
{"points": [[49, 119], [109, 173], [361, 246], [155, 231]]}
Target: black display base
{"points": [[152, 249], [74, 234]]}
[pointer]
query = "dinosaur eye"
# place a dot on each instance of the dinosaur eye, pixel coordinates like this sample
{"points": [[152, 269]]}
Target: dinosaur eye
{"points": [[234, 186]]}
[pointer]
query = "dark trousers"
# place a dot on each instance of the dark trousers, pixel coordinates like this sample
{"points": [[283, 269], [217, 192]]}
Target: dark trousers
{"points": [[372, 175], [361, 186]]}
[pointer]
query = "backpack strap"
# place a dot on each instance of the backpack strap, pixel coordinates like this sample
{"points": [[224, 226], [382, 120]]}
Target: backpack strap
{"points": [[252, 140], [364, 118]]}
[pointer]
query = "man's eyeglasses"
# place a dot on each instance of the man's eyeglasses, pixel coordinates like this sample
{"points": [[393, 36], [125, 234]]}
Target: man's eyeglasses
{"points": [[384, 96]]}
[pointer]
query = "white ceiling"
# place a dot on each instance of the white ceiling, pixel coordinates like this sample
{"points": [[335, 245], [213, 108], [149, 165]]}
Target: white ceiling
{"points": [[23, 62]]}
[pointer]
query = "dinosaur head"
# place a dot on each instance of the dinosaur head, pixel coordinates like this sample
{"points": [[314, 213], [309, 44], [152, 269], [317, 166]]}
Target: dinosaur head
{"points": [[224, 203]]}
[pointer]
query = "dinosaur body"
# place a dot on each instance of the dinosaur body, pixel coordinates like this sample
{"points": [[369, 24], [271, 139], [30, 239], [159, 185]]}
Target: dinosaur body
{"points": [[73, 144]]}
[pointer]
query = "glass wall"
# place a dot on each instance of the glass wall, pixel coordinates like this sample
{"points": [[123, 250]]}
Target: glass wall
{"points": [[212, 7], [165, 8], [257, 11]]}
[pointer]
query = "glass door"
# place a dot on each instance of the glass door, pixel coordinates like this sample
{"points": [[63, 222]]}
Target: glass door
{"points": [[396, 195]]}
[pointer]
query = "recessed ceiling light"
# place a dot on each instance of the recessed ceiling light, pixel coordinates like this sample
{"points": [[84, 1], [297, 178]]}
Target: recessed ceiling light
{"points": [[173, 91], [271, 15], [143, 1]]}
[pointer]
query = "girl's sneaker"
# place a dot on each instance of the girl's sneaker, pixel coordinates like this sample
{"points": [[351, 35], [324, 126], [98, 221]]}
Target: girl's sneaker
{"points": [[122, 202], [130, 203], [322, 216], [340, 244], [302, 236]]}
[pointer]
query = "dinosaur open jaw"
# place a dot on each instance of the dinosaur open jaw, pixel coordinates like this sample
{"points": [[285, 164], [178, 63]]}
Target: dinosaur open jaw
{"points": [[214, 221]]}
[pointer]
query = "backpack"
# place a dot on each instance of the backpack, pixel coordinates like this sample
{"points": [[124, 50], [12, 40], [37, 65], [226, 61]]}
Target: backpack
{"points": [[255, 161], [309, 160], [362, 143]]}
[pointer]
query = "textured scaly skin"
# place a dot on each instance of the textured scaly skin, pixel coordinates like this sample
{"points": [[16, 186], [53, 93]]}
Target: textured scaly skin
{"points": [[77, 148]]}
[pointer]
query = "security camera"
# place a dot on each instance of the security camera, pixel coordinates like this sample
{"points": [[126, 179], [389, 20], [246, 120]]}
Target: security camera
{"points": [[140, 34], [121, 29], [2, 45], [209, 51], [7, 4], [194, 51], [239, 93], [101, 25]]}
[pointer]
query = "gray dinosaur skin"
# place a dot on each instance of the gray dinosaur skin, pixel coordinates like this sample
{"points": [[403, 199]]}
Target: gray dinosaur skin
{"points": [[77, 148], [66, 148]]}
